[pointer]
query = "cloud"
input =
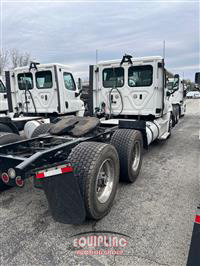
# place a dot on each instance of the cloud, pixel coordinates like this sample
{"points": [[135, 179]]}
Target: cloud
{"points": [[71, 32]]}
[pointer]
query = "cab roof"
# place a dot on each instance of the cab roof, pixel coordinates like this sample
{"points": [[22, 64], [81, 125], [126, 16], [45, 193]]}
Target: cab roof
{"points": [[25, 68], [133, 59]]}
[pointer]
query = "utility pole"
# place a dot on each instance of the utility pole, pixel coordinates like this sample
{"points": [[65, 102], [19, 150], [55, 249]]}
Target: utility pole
{"points": [[164, 49], [96, 56]]}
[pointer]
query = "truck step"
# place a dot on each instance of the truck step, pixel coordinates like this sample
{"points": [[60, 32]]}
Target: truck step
{"points": [[164, 136]]}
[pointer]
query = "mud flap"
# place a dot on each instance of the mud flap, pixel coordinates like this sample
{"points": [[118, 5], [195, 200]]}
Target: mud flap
{"points": [[64, 198], [194, 253]]}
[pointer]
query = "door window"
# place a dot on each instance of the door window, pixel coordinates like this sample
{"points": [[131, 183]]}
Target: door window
{"points": [[2, 87], [69, 81], [113, 77], [44, 79], [25, 81], [140, 76]]}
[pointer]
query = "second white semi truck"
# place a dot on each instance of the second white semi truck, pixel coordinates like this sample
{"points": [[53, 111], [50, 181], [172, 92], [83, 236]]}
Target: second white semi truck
{"points": [[177, 90]]}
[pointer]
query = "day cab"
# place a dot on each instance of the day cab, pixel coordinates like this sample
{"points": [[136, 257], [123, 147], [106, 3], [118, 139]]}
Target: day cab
{"points": [[43, 89]]}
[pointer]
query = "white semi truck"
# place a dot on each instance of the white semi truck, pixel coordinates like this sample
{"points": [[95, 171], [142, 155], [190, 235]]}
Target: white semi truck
{"points": [[39, 91], [80, 160], [175, 86], [133, 89], [3, 98], [43, 89]]}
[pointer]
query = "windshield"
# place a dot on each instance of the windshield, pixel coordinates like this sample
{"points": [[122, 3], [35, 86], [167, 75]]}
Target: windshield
{"points": [[113, 77], [25, 81], [2, 87], [140, 76]]}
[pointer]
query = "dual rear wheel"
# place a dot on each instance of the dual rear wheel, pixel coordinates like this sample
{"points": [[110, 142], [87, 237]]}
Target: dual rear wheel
{"points": [[99, 166]]}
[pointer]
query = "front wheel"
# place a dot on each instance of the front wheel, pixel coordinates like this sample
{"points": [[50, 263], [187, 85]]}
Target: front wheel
{"points": [[96, 167], [129, 145]]}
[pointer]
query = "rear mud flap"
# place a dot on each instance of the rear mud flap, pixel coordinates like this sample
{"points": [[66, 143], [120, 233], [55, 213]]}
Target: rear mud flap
{"points": [[64, 198], [194, 252]]}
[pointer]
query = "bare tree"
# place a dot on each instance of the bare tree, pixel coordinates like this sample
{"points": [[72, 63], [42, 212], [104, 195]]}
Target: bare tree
{"points": [[26, 59], [4, 59], [14, 58], [19, 59]]}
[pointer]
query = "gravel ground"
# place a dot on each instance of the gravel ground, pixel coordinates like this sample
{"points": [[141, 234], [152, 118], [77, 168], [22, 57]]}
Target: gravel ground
{"points": [[157, 211]]}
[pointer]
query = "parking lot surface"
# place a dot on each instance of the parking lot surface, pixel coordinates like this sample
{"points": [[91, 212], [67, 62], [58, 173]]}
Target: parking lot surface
{"points": [[157, 211]]}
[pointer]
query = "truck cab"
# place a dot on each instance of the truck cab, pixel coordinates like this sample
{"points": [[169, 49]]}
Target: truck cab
{"points": [[44, 89], [130, 88], [175, 86], [3, 99]]}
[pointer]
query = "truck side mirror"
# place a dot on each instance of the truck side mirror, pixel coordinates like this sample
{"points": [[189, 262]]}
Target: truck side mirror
{"points": [[197, 77], [79, 88], [176, 82], [79, 84], [168, 94]]}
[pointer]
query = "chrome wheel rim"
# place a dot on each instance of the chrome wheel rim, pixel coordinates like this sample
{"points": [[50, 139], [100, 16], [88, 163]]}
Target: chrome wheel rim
{"points": [[105, 180], [136, 156]]}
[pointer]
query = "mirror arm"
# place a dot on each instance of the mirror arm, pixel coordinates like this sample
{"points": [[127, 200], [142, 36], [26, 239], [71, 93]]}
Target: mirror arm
{"points": [[78, 93]]}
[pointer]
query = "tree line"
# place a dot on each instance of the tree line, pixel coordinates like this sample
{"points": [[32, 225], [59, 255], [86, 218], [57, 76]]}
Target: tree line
{"points": [[13, 58]]}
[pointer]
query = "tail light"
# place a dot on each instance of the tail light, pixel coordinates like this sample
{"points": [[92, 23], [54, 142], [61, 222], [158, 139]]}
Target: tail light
{"points": [[19, 181], [5, 178]]}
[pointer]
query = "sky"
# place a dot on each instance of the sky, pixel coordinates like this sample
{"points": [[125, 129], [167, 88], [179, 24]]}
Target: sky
{"points": [[71, 32]]}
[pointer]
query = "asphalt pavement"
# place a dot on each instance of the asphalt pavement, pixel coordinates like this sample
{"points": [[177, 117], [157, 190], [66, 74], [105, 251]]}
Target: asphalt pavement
{"points": [[156, 212]]}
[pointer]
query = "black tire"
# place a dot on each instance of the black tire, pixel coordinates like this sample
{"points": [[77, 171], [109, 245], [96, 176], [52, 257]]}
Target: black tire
{"points": [[6, 138], [87, 159], [42, 129], [170, 126], [173, 119], [129, 144], [177, 113], [5, 128]]}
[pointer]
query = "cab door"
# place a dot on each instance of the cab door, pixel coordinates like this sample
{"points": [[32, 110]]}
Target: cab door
{"points": [[3, 98], [70, 101]]}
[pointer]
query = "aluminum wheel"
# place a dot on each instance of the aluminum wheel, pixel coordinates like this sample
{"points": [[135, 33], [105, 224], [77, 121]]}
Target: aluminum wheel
{"points": [[105, 180], [136, 156]]}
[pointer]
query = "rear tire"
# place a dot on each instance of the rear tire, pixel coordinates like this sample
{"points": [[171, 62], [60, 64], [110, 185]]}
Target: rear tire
{"points": [[178, 113], [5, 128], [40, 130], [6, 138], [129, 145], [170, 126], [96, 167]]}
